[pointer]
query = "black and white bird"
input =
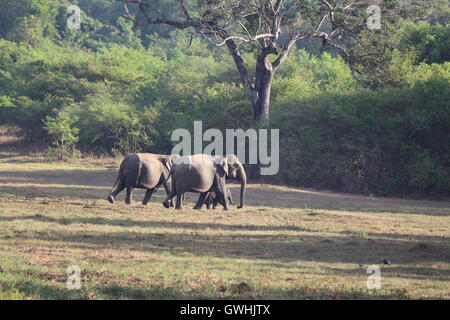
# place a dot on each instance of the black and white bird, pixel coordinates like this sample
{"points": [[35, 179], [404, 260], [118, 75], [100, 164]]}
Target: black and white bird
{"points": [[385, 261], [361, 264]]}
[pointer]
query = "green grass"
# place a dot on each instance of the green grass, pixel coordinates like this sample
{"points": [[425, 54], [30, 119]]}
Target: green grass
{"points": [[286, 244]]}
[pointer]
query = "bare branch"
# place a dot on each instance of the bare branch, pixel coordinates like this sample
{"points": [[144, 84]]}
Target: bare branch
{"points": [[327, 43], [259, 36], [183, 9], [284, 53], [162, 18], [327, 4], [322, 21], [239, 62], [343, 8], [278, 5]]}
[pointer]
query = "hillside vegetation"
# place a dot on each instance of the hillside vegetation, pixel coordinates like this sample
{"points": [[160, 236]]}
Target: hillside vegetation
{"points": [[379, 126]]}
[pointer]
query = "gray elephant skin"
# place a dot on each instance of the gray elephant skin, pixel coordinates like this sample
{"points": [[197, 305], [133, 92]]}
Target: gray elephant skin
{"points": [[213, 199], [204, 174], [143, 171]]}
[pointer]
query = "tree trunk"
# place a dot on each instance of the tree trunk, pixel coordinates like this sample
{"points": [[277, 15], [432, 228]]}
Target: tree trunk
{"points": [[262, 106], [259, 93], [263, 84]]}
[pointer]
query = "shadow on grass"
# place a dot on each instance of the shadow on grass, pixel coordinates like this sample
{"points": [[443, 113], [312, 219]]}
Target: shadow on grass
{"points": [[247, 244], [419, 273], [60, 176], [52, 192], [140, 237], [399, 236], [421, 239], [43, 291], [257, 195], [153, 224], [128, 292]]}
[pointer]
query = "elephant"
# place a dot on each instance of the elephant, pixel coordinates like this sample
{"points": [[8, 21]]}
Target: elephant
{"points": [[204, 174], [144, 171], [214, 199]]}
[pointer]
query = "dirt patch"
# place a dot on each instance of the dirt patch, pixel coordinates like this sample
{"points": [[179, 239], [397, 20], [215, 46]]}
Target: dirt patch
{"points": [[241, 288], [46, 276], [10, 136]]}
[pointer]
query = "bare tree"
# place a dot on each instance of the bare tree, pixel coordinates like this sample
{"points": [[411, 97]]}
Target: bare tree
{"points": [[269, 27]]}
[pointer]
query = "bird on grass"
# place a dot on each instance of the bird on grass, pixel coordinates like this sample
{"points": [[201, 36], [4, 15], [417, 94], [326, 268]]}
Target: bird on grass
{"points": [[385, 261], [361, 264]]}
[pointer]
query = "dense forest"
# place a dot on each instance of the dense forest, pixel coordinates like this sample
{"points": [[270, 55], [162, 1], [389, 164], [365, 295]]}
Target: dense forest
{"points": [[376, 124]]}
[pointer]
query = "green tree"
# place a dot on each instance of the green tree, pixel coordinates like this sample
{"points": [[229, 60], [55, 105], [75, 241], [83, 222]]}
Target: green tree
{"points": [[62, 133], [268, 28], [429, 43], [34, 17]]}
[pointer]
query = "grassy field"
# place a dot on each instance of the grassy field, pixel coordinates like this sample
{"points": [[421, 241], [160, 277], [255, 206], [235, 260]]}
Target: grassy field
{"points": [[285, 244]]}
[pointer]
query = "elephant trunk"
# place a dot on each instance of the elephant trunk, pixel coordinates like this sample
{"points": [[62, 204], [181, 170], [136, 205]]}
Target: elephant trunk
{"points": [[243, 185]]}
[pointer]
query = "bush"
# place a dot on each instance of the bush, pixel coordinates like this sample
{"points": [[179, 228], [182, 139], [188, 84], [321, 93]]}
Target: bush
{"points": [[101, 89], [396, 141], [63, 136]]}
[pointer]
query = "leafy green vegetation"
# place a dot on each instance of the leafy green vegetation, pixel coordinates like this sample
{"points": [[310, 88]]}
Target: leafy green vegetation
{"points": [[378, 125], [63, 135]]}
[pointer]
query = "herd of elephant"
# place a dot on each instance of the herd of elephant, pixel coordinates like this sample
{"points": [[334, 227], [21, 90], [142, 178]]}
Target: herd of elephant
{"points": [[204, 174]]}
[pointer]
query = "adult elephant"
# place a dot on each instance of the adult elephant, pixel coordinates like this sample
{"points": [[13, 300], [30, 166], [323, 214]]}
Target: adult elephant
{"points": [[143, 171], [204, 174]]}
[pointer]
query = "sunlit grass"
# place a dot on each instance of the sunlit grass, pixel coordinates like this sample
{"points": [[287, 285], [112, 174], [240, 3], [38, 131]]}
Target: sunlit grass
{"points": [[286, 244]]}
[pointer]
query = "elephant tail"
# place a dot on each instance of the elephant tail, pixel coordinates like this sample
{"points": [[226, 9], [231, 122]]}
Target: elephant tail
{"points": [[115, 184], [138, 172], [131, 170], [168, 176]]}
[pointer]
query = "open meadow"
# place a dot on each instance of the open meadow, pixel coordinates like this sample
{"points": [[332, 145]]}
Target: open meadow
{"points": [[334, 116], [285, 244]]}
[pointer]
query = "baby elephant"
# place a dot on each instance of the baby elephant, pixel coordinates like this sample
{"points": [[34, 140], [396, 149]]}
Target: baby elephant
{"points": [[214, 199]]}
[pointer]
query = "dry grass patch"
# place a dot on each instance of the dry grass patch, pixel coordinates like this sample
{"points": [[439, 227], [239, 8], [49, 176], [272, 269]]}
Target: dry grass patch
{"points": [[287, 243]]}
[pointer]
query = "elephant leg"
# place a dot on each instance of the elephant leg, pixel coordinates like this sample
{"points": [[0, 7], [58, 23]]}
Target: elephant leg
{"points": [[210, 201], [201, 200], [115, 192], [221, 192], [179, 203], [167, 203], [129, 195], [225, 203], [148, 195], [167, 194], [222, 199], [184, 197], [230, 199]]}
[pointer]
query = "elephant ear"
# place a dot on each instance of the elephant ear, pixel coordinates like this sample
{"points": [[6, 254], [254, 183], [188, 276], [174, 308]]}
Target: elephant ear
{"points": [[168, 162], [224, 166]]}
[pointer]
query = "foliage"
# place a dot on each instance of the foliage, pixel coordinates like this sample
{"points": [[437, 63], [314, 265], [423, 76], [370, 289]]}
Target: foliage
{"points": [[376, 125], [382, 57], [63, 135], [388, 142], [429, 43]]}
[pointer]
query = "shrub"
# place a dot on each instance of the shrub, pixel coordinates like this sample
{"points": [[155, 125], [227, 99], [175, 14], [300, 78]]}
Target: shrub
{"points": [[63, 136], [396, 141]]}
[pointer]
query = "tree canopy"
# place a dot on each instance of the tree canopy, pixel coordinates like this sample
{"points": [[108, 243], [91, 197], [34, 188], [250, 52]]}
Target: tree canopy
{"points": [[375, 121]]}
